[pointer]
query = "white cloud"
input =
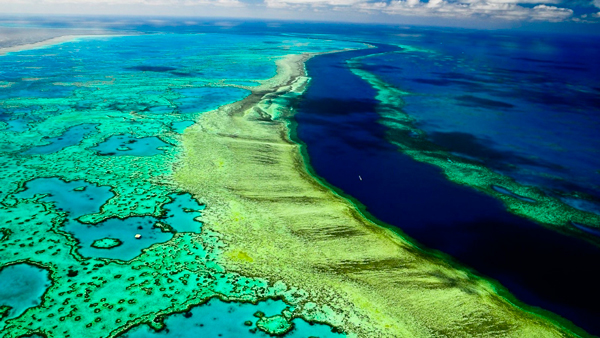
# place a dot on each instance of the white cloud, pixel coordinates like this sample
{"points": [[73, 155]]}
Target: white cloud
{"points": [[550, 13], [311, 3], [515, 1], [497, 9], [588, 18]]}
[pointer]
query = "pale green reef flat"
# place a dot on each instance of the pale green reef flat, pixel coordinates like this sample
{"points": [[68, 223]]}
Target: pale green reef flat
{"points": [[227, 210]]}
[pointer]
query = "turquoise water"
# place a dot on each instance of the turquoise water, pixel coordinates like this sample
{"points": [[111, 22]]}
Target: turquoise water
{"points": [[120, 145], [182, 212], [133, 90], [77, 198], [179, 216], [21, 287], [179, 127], [205, 99], [80, 198], [124, 230], [90, 131], [17, 125], [220, 319], [70, 137]]}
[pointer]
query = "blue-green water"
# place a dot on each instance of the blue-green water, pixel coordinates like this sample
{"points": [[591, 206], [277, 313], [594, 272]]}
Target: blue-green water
{"points": [[77, 198], [119, 145], [179, 127], [70, 137], [21, 287], [220, 319]]}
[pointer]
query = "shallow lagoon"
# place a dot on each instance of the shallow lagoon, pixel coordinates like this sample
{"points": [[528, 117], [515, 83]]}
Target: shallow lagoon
{"points": [[70, 137], [220, 319], [129, 145], [21, 287], [77, 198]]}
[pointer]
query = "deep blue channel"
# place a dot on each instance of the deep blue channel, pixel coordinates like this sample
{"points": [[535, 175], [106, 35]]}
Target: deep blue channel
{"points": [[338, 123]]}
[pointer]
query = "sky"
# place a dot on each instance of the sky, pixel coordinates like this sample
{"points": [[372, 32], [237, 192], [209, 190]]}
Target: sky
{"points": [[585, 14]]}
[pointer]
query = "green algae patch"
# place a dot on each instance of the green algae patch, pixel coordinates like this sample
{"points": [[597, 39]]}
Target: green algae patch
{"points": [[164, 227], [275, 325], [240, 255], [347, 271], [106, 243]]}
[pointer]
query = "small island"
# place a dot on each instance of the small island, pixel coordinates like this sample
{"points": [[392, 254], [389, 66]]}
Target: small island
{"points": [[106, 243]]}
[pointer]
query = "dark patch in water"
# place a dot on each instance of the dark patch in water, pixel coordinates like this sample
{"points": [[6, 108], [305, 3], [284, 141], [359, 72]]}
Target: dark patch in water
{"points": [[380, 68], [583, 69], [434, 82], [533, 60], [471, 86], [472, 146], [463, 76], [545, 61], [341, 106], [467, 144], [474, 101], [511, 72], [564, 97], [539, 97], [152, 68], [183, 74]]}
